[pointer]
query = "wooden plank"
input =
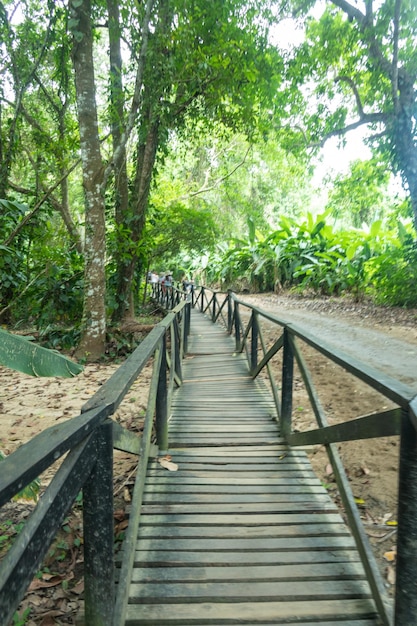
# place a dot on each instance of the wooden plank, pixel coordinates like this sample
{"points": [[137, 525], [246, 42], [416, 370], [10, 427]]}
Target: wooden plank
{"points": [[269, 430], [230, 498], [167, 490], [245, 519], [264, 452], [183, 614], [336, 554], [239, 480], [234, 463], [241, 475], [164, 531], [237, 507], [238, 591], [268, 573], [342, 622], [248, 544]]}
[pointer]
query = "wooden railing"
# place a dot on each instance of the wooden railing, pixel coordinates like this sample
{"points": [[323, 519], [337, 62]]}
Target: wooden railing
{"points": [[90, 437], [87, 441], [401, 421]]}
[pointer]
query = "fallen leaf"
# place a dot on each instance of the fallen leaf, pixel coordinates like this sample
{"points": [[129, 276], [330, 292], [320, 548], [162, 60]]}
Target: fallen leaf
{"points": [[119, 515], [43, 584], [169, 465], [390, 555], [121, 526], [359, 501], [392, 522], [329, 470], [78, 588], [126, 495]]}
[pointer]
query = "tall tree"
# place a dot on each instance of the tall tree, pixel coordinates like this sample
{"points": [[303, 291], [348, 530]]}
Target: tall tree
{"points": [[205, 62], [94, 312], [359, 65]]}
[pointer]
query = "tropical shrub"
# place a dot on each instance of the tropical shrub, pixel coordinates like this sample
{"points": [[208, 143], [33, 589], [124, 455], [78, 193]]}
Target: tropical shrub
{"points": [[312, 255], [392, 276]]}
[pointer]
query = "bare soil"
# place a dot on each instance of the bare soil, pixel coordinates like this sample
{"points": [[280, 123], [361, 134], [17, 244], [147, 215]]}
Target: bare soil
{"points": [[383, 338]]}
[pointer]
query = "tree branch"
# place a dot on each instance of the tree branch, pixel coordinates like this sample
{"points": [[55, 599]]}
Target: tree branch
{"points": [[205, 189], [46, 195], [364, 22], [394, 79], [368, 118], [350, 82], [12, 302], [351, 11], [137, 96]]}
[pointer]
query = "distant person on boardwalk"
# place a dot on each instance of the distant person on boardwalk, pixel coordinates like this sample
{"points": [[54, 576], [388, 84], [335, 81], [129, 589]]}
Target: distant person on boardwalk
{"points": [[154, 280]]}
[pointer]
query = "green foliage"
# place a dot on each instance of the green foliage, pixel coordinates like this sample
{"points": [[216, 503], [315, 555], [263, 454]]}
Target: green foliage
{"points": [[312, 255], [392, 276], [41, 276], [21, 619], [361, 196], [357, 66], [20, 354]]}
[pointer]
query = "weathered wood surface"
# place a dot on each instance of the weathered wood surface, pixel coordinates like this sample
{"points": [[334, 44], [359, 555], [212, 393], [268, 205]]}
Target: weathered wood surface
{"points": [[243, 532]]}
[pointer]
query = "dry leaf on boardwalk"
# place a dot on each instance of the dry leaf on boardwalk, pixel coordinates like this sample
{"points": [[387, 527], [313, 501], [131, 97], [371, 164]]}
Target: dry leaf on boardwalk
{"points": [[390, 555], [168, 464]]}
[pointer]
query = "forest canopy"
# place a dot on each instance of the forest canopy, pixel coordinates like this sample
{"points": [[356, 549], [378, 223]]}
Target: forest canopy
{"points": [[170, 133]]}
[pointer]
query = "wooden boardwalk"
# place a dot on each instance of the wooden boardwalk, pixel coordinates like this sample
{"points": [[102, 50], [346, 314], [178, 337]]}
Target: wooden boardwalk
{"points": [[243, 532]]}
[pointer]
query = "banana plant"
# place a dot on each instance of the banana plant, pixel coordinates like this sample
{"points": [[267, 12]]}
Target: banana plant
{"points": [[19, 353]]}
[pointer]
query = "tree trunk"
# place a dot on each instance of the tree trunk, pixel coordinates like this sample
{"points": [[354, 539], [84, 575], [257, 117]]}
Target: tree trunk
{"points": [[121, 197], [145, 160], [405, 146], [92, 342]]}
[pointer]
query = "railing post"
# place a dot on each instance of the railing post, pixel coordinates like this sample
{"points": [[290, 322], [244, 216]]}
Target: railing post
{"points": [[237, 327], [187, 325], [161, 411], [229, 312], [202, 299], [177, 351], [98, 533], [254, 342], [406, 596], [287, 385], [213, 317]]}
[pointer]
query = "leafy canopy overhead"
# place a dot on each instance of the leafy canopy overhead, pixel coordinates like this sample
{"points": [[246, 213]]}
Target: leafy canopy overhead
{"points": [[358, 67]]}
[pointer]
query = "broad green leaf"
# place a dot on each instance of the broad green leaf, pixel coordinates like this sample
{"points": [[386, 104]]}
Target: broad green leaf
{"points": [[11, 205], [375, 228], [19, 354], [402, 232]]}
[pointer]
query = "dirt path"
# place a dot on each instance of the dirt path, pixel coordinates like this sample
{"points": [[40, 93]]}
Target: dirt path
{"points": [[385, 339]]}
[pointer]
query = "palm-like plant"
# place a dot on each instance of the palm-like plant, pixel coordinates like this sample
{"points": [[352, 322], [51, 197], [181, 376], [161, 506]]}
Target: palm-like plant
{"points": [[20, 354]]}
